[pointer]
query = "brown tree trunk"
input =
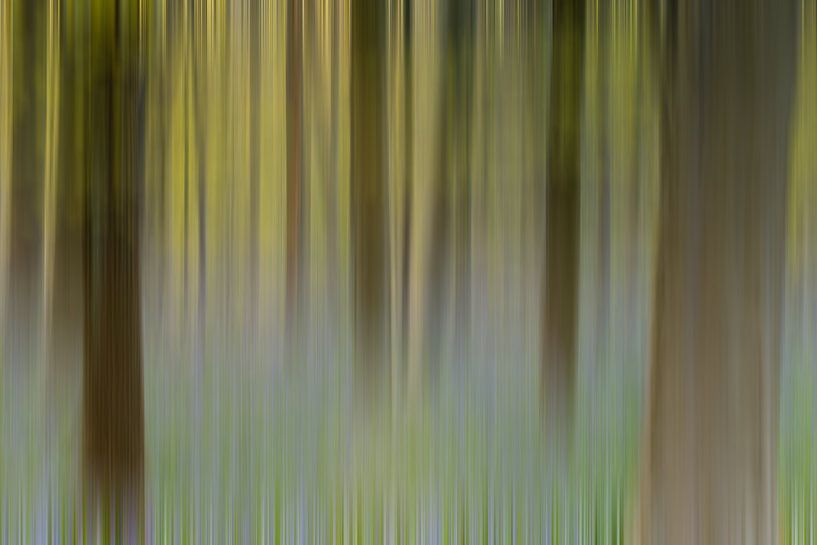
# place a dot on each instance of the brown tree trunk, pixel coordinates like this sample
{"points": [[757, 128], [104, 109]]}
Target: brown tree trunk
{"points": [[25, 233], [368, 185], [562, 215], [294, 59], [113, 404], [727, 85], [459, 102]]}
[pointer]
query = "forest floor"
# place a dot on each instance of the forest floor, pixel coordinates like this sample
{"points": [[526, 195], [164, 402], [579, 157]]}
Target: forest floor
{"points": [[239, 452]]}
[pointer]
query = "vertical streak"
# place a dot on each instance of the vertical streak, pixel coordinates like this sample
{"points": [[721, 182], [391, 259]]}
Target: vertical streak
{"points": [[294, 92], [200, 63], [332, 173], [343, 164], [51, 154], [559, 333], [370, 238], [6, 83], [186, 84], [425, 66], [255, 152], [396, 177]]}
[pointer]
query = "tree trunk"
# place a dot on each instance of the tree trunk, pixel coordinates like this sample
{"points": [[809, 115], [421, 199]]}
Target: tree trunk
{"points": [[294, 60], [200, 107], [727, 85], [368, 185], [6, 113], [399, 174], [424, 193], [25, 233], [459, 102], [65, 339], [562, 214], [256, 22], [113, 404]]}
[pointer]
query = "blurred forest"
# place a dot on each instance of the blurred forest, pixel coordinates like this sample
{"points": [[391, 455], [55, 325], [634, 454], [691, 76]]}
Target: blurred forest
{"points": [[408, 271]]}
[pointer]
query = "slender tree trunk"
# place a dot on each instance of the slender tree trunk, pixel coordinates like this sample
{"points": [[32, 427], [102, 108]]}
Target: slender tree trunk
{"points": [[459, 100], [65, 342], [331, 169], [113, 404], [25, 233], [368, 186], [398, 174], [562, 215], [6, 114], [426, 184], [256, 23], [603, 299], [727, 86], [200, 95], [294, 60]]}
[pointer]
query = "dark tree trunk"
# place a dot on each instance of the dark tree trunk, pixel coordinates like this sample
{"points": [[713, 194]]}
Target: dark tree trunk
{"points": [[113, 404], [459, 100], [562, 215], [368, 184], [727, 89]]}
